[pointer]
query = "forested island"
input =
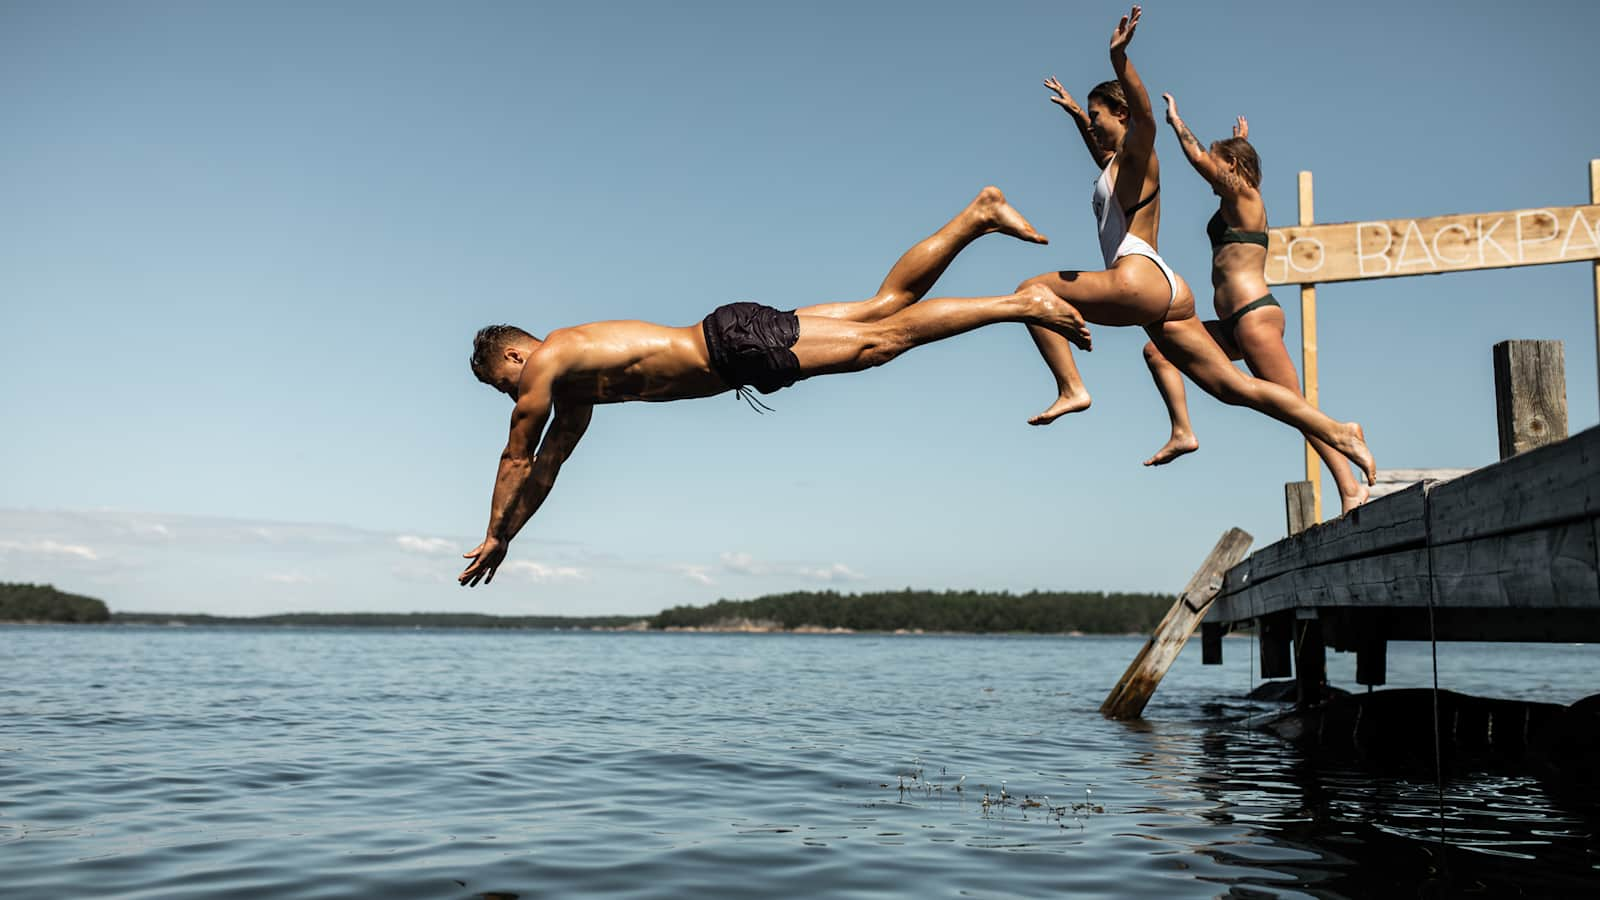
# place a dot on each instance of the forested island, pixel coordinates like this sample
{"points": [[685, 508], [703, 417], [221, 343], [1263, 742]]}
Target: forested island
{"points": [[978, 612], [43, 603], [1036, 612], [380, 620]]}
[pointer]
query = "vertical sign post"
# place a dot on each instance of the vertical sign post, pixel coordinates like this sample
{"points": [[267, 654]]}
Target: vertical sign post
{"points": [[1594, 197], [1308, 349]]}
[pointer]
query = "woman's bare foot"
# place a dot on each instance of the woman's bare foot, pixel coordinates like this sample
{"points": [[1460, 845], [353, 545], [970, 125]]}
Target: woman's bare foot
{"points": [[1355, 498], [1056, 314], [1067, 403], [998, 215], [1176, 446], [1353, 444]]}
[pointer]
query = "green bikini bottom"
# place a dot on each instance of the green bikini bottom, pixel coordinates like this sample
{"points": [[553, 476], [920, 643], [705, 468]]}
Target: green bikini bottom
{"points": [[1231, 323]]}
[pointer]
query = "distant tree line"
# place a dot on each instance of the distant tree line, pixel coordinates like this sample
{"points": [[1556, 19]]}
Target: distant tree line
{"points": [[1040, 612], [381, 620], [43, 603]]}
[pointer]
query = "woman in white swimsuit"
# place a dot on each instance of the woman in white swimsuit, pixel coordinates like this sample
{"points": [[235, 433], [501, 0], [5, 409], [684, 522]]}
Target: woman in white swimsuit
{"points": [[1137, 286]]}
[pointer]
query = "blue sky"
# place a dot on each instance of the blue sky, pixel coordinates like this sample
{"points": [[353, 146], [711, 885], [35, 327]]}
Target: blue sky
{"points": [[245, 248]]}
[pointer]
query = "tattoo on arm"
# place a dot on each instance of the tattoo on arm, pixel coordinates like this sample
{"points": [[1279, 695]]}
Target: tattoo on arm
{"points": [[1188, 138]]}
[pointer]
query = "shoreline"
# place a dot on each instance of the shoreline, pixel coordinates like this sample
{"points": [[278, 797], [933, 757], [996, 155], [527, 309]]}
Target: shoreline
{"points": [[636, 628]]}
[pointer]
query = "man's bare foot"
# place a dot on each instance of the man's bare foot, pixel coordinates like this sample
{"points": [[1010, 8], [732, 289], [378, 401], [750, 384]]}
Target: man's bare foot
{"points": [[1353, 499], [998, 215], [1056, 314], [1176, 446], [1353, 444], [1066, 404]]}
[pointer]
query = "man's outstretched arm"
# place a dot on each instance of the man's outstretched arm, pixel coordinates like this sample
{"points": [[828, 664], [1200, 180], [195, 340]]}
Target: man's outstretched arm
{"points": [[524, 479]]}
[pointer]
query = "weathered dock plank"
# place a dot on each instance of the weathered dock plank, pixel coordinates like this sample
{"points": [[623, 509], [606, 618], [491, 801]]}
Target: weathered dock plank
{"points": [[1398, 521], [1394, 480], [1522, 534], [1530, 386], [1546, 486], [1384, 580], [1548, 567], [1133, 690]]}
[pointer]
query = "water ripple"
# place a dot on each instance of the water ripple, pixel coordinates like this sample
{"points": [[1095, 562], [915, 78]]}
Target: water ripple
{"points": [[189, 763]]}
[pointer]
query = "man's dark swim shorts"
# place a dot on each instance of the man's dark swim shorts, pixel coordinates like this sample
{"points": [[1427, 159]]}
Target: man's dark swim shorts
{"points": [[750, 343]]}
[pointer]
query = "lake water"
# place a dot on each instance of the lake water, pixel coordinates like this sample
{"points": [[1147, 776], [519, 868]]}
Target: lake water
{"points": [[204, 762]]}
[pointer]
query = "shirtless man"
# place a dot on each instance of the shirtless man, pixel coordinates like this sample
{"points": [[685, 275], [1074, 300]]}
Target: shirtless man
{"points": [[560, 379]]}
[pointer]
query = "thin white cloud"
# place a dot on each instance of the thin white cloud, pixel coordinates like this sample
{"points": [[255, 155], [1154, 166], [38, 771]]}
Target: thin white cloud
{"points": [[835, 572], [49, 549], [288, 578], [420, 574], [542, 573], [745, 564], [428, 546], [150, 530], [697, 574]]}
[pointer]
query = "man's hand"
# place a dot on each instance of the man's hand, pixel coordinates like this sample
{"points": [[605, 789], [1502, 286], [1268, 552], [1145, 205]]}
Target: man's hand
{"points": [[1062, 98], [1124, 32], [486, 557], [1172, 113], [1241, 129]]}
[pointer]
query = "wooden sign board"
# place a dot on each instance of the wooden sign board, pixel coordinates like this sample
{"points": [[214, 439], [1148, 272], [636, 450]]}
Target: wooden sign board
{"points": [[1351, 251]]}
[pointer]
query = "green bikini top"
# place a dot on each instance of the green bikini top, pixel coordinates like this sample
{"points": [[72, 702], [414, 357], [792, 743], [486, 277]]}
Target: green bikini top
{"points": [[1221, 233]]}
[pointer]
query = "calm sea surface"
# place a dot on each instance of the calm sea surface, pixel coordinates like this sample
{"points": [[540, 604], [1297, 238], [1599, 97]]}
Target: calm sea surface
{"points": [[204, 762]]}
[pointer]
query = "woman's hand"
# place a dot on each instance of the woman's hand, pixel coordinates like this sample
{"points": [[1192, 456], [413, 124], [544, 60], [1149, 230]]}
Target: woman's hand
{"points": [[1062, 98], [1241, 129], [1124, 33]]}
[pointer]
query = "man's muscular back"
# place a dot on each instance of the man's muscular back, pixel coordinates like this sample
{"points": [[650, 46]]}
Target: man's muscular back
{"points": [[612, 362]]}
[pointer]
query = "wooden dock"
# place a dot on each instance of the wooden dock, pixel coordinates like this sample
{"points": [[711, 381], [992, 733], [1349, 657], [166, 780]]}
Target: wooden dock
{"points": [[1504, 553]]}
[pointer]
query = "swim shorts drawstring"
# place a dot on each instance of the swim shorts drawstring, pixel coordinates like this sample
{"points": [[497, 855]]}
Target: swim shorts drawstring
{"points": [[749, 396]]}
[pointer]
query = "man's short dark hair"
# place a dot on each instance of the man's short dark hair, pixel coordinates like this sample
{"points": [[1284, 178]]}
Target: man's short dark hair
{"points": [[490, 342]]}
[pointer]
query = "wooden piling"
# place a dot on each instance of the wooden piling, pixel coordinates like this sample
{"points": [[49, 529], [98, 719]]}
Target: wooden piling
{"points": [[1211, 643], [1275, 632], [1530, 388], [1300, 505], [1372, 657], [1132, 692], [1310, 659]]}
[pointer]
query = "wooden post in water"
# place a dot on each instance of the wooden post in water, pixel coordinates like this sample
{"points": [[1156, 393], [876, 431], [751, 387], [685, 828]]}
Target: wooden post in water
{"points": [[1210, 644], [1372, 648], [1308, 353], [1128, 699], [1275, 632], [1310, 659], [1530, 392]]}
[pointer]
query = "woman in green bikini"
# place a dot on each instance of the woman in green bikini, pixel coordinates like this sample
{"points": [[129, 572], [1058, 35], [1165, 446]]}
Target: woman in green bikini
{"points": [[1249, 322]]}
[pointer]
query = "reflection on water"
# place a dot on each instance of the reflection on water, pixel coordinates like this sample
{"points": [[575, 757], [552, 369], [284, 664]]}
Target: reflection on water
{"points": [[1350, 832], [155, 763]]}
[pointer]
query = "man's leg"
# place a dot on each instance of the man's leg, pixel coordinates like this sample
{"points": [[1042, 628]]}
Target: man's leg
{"points": [[829, 345], [914, 274]]}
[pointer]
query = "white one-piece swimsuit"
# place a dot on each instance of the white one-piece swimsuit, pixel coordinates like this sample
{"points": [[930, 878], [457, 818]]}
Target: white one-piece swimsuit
{"points": [[1116, 242]]}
